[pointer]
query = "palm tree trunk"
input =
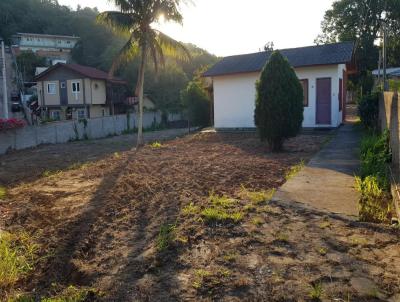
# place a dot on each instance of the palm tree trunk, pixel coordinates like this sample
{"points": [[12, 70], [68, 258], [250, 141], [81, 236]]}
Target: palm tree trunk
{"points": [[139, 89]]}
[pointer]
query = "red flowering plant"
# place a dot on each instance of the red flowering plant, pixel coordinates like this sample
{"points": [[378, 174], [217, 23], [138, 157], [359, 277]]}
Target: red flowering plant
{"points": [[11, 123]]}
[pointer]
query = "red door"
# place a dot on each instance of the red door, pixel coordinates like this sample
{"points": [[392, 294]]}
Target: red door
{"points": [[324, 100]]}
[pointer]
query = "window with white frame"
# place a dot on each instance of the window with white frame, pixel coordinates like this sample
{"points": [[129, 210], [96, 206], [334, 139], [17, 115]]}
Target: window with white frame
{"points": [[51, 88], [76, 87], [81, 114], [55, 115]]}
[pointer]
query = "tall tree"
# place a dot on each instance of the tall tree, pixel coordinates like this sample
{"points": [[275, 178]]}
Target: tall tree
{"points": [[135, 18], [279, 102], [361, 21]]}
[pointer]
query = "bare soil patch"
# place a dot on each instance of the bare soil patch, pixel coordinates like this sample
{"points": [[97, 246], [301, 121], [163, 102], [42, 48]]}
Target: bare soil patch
{"points": [[99, 226]]}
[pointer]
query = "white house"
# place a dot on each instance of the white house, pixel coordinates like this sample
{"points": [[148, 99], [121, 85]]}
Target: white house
{"points": [[322, 70]]}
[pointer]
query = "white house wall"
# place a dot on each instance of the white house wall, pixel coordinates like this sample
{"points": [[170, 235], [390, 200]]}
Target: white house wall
{"points": [[234, 97]]}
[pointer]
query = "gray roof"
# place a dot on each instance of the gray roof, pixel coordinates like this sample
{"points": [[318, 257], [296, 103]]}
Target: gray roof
{"points": [[327, 54], [392, 71]]}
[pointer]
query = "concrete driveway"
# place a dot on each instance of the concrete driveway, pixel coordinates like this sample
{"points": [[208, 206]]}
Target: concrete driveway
{"points": [[327, 182]]}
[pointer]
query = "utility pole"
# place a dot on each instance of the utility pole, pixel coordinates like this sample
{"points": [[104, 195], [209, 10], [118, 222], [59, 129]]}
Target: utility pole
{"points": [[5, 99], [385, 84], [379, 68]]}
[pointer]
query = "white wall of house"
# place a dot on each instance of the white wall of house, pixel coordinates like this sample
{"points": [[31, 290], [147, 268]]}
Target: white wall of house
{"points": [[234, 97]]}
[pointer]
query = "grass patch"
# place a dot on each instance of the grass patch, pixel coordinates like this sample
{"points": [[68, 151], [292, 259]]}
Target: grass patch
{"points": [[322, 251], [316, 291], [165, 236], [257, 221], [208, 280], [156, 145], [17, 258], [190, 209], [282, 237], [375, 204], [3, 192], [49, 173], [220, 215], [294, 170], [230, 257], [221, 201], [256, 197]]}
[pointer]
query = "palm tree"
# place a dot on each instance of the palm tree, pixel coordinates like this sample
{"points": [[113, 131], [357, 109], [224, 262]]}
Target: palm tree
{"points": [[136, 18]]}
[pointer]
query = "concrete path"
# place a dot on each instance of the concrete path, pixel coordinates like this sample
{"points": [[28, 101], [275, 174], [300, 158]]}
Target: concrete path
{"points": [[327, 182]]}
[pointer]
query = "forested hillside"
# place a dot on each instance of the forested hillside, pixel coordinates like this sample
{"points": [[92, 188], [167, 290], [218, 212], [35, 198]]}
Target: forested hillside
{"points": [[98, 45]]}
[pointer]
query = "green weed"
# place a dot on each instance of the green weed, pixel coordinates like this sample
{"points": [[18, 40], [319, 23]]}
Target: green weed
{"points": [[156, 145], [190, 209], [322, 251], [257, 221], [375, 204], [220, 215], [17, 257], [256, 197], [316, 291], [3, 192], [165, 236], [294, 170], [221, 201]]}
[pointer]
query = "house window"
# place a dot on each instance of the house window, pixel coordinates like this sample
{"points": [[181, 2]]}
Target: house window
{"points": [[62, 85], [304, 84], [55, 115], [76, 87], [340, 94], [81, 114], [51, 88]]}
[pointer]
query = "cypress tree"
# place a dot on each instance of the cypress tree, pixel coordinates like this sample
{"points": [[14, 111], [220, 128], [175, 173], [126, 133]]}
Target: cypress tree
{"points": [[279, 102]]}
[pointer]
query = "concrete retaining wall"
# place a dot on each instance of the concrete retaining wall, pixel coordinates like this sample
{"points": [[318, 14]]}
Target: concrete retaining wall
{"points": [[62, 132]]}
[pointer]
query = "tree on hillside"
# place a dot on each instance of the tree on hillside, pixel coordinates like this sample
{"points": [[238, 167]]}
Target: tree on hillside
{"points": [[27, 62], [361, 21], [279, 102], [136, 17], [197, 104]]}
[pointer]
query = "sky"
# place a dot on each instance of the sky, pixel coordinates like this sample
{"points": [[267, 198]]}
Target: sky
{"points": [[230, 27]]}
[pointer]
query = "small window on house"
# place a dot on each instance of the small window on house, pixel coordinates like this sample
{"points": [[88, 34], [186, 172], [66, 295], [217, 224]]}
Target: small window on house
{"points": [[76, 87], [96, 85], [81, 114], [51, 88], [62, 85], [304, 84], [55, 115]]}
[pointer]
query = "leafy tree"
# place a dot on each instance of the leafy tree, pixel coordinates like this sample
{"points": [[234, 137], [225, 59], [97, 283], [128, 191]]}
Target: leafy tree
{"points": [[136, 18], [27, 62], [361, 21], [279, 102], [197, 103]]}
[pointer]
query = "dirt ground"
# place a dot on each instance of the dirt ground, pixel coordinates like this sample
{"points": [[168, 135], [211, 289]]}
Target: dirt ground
{"points": [[99, 225]]}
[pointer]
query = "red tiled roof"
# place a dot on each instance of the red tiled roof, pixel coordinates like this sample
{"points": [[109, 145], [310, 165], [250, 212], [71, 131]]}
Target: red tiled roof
{"points": [[86, 71]]}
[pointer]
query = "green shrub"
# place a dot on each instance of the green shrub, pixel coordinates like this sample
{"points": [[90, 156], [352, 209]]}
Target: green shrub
{"points": [[375, 156], [197, 103], [165, 236], [279, 102], [368, 109], [375, 203], [394, 85]]}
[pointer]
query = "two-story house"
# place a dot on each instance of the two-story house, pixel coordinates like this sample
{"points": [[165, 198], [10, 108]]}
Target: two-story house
{"points": [[56, 48], [72, 91]]}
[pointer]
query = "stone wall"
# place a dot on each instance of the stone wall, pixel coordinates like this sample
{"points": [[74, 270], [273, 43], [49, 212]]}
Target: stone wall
{"points": [[62, 132]]}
